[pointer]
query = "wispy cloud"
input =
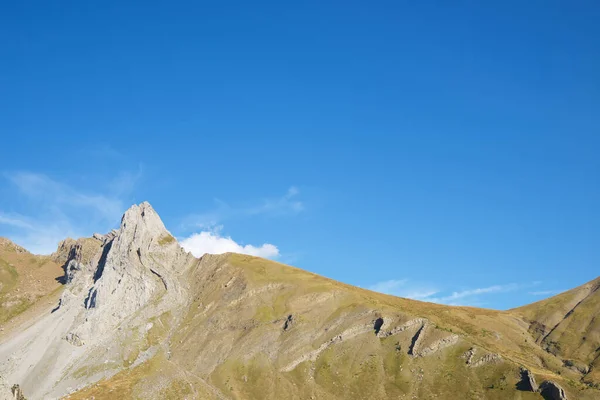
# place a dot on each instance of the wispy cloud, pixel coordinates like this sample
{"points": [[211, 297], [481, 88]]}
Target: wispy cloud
{"points": [[124, 183], [284, 205], [55, 194], [427, 292], [15, 220], [210, 239], [404, 288], [545, 292], [455, 298], [392, 286], [38, 235], [55, 210], [212, 242], [287, 204]]}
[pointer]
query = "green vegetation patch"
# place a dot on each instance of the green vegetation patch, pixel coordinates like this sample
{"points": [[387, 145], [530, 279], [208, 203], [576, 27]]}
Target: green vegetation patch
{"points": [[165, 240], [90, 370], [8, 277]]}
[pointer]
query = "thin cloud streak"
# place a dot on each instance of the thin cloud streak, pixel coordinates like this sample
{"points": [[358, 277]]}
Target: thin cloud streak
{"points": [[418, 291], [288, 204], [17, 221], [546, 292], [53, 193], [58, 210], [404, 288]]}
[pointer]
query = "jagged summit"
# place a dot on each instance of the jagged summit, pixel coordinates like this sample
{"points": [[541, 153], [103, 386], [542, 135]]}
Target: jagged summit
{"points": [[143, 221], [139, 224]]}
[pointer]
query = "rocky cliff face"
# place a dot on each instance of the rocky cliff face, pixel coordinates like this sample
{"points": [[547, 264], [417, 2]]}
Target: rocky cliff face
{"points": [[138, 263], [113, 283]]}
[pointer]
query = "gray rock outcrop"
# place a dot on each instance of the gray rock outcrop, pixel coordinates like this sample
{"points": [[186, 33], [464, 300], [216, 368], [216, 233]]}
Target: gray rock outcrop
{"points": [[552, 391]]}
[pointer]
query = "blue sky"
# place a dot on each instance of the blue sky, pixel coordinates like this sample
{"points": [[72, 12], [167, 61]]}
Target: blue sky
{"points": [[442, 152]]}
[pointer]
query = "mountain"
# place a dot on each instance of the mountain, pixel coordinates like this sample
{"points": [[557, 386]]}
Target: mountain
{"points": [[568, 326], [131, 315]]}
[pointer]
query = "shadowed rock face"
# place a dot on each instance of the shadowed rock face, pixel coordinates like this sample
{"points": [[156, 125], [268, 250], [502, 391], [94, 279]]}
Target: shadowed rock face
{"points": [[552, 391], [527, 382], [141, 318]]}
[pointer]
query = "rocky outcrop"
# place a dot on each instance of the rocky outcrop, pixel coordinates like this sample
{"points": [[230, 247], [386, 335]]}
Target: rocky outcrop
{"points": [[552, 391], [82, 250], [74, 339], [471, 362], [401, 328], [486, 359], [289, 321], [577, 366], [417, 339], [438, 345], [312, 355], [468, 355], [8, 392], [527, 382], [17, 393], [6, 244]]}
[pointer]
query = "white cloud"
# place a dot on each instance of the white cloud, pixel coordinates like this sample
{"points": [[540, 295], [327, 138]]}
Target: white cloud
{"points": [[213, 243], [288, 204]]}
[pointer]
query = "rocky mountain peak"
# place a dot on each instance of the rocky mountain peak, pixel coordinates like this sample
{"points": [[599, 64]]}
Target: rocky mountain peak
{"points": [[142, 224], [115, 275], [142, 216]]}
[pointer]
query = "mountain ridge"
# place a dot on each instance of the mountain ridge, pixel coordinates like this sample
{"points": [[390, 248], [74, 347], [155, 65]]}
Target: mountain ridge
{"points": [[140, 317]]}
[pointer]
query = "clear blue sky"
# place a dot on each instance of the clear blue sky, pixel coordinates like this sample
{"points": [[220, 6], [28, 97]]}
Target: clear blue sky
{"points": [[444, 152]]}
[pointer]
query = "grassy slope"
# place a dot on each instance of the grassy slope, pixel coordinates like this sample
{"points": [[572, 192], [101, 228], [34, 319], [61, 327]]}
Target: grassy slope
{"points": [[232, 344], [568, 326], [25, 279]]}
